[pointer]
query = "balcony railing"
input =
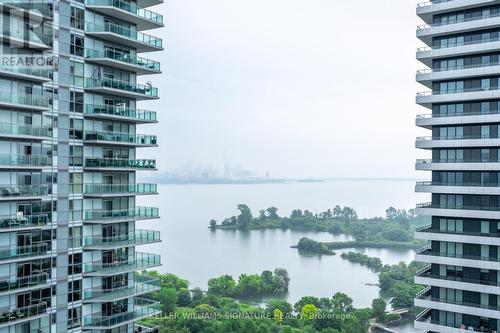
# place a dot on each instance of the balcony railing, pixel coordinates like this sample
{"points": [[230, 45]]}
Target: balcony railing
{"points": [[8, 315], [427, 273], [147, 309], [142, 89], [140, 261], [26, 100], [429, 229], [463, 19], [109, 110], [426, 295], [458, 114], [462, 207], [430, 252], [124, 32], [459, 43], [14, 283], [455, 68], [146, 328], [121, 188], [129, 7], [139, 139], [17, 252], [25, 130], [462, 184], [23, 221], [46, 8], [125, 58], [135, 238], [433, 2], [45, 73], [8, 191], [25, 160], [135, 288], [454, 137], [457, 160], [137, 213], [119, 163]]}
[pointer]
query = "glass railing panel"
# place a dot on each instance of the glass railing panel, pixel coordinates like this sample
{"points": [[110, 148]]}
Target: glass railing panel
{"points": [[16, 129], [15, 282], [120, 188], [27, 160], [140, 139], [125, 32], [23, 221], [146, 90], [8, 315], [138, 237], [136, 287], [119, 163], [29, 100], [129, 7], [141, 261], [14, 251], [121, 112], [135, 213], [23, 190], [46, 8], [124, 57]]}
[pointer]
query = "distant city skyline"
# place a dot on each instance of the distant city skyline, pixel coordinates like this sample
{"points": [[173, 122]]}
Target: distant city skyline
{"points": [[312, 96]]}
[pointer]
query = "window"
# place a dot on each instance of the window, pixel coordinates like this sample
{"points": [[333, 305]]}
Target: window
{"points": [[76, 70], [74, 317], [74, 291], [76, 101], [77, 45], [77, 18], [76, 129], [75, 263], [75, 155], [76, 182]]}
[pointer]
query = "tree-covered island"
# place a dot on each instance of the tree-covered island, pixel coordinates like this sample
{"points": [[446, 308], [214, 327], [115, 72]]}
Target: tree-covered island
{"points": [[396, 229]]}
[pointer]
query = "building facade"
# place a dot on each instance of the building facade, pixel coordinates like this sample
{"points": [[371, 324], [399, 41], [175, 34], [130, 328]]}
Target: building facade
{"points": [[462, 56], [69, 114]]}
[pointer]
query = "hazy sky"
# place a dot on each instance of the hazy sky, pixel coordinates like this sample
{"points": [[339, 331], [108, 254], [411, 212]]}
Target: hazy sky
{"points": [[299, 88]]}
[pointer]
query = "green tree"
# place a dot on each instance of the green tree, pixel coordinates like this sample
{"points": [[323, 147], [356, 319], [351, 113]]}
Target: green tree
{"points": [[283, 273], [278, 316], [245, 216], [297, 307], [379, 306], [197, 295], [341, 302], [308, 312], [296, 213], [262, 215], [213, 224], [285, 307], [222, 286], [183, 297], [168, 300], [272, 213], [249, 285]]}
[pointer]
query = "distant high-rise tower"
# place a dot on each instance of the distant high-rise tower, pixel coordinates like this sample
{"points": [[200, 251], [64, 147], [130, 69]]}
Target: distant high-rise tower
{"points": [[463, 255], [68, 165]]}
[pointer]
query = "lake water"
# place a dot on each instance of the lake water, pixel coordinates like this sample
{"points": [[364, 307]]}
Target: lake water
{"points": [[194, 252]]}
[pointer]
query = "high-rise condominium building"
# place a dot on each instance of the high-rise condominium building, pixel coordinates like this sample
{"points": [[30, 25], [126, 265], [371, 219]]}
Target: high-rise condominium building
{"points": [[463, 118], [69, 116]]}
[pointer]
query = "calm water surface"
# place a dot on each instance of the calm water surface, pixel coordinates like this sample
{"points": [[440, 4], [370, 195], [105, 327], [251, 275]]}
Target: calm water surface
{"points": [[192, 251]]}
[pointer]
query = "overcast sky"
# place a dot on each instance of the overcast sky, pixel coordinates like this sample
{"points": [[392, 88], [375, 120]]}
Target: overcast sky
{"points": [[321, 88]]}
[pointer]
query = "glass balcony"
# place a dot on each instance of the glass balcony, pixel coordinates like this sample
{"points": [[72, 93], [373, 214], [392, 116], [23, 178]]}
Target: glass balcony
{"points": [[24, 130], [114, 111], [131, 8], [14, 283], [38, 74], [24, 100], [140, 261], [146, 328], [23, 221], [142, 309], [426, 295], [462, 207], [138, 213], [45, 8], [464, 184], [8, 316], [427, 273], [119, 163], [123, 138], [17, 191], [25, 160], [127, 36], [121, 189], [18, 252], [109, 295], [123, 88], [138, 237], [32, 39], [428, 251], [144, 66]]}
